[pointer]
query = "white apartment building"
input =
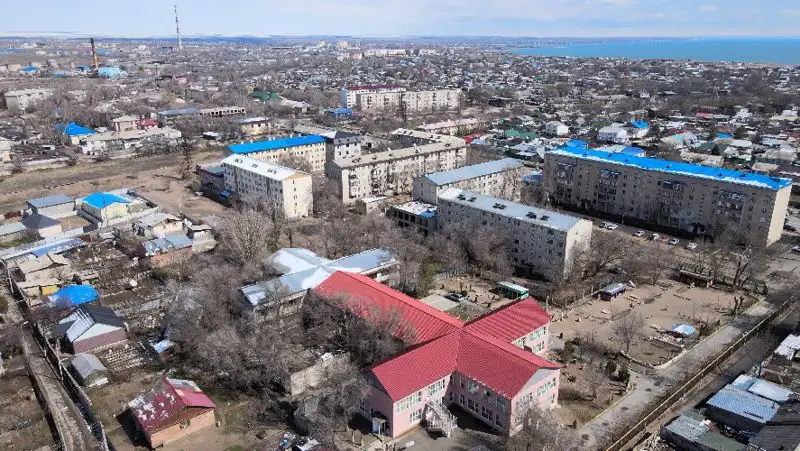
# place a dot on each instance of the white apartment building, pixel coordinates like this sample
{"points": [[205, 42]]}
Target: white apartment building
{"points": [[498, 178], [543, 242], [390, 97], [309, 148], [255, 181], [687, 197], [393, 171], [339, 145], [20, 100], [555, 128]]}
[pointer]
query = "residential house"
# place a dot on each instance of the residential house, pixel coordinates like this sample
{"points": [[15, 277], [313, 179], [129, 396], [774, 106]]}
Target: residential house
{"points": [[104, 206], [555, 128], [43, 226], [781, 433], [638, 129], [75, 132], [165, 251], [613, 134], [692, 432], [740, 409], [12, 231], [55, 206], [125, 123], [19, 100], [488, 367], [171, 410], [158, 225], [253, 126], [88, 328]]}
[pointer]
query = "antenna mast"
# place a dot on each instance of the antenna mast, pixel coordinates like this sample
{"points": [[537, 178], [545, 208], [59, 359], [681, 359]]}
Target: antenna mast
{"points": [[178, 29]]}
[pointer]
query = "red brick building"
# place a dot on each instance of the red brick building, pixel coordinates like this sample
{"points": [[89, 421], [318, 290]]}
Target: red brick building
{"points": [[173, 409]]}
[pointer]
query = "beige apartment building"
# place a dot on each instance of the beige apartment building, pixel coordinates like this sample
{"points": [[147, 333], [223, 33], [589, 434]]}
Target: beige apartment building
{"points": [[20, 100], [543, 242], [680, 196], [390, 97], [254, 181], [273, 150], [498, 178], [393, 171]]}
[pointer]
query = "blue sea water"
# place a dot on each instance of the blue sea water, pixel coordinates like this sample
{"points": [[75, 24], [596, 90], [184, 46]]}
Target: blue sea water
{"points": [[752, 50]]}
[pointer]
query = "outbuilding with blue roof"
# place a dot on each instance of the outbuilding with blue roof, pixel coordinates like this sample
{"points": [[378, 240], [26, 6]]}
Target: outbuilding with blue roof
{"points": [[73, 295], [308, 147], [682, 197]]}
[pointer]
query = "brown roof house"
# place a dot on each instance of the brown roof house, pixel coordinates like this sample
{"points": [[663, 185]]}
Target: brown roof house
{"points": [[173, 409], [90, 327]]}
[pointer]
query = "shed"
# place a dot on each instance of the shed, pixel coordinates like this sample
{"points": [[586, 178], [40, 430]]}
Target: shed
{"points": [[612, 291], [12, 231], [90, 371], [683, 330]]}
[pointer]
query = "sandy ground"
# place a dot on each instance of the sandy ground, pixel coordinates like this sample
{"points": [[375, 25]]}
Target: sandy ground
{"points": [[83, 179], [175, 196], [660, 306]]}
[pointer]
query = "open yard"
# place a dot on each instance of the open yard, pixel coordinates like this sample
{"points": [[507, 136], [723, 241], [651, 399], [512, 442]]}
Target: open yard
{"points": [[173, 196]]}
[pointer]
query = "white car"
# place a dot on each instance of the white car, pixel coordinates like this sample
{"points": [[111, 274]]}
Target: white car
{"points": [[638, 233], [673, 241], [611, 226], [796, 249], [691, 246], [655, 237]]}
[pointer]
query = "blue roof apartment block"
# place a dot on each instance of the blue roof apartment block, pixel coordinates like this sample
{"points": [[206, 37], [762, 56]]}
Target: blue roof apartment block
{"points": [[275, 144], [103, 200], [678, 168]]}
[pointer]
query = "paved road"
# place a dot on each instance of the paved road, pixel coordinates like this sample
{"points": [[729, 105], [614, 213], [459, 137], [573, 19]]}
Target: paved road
{"points": [[649, 387], [72, 428]]}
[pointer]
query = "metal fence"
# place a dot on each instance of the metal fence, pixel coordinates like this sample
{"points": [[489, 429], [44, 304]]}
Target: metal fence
{"points": [[676, 396]]}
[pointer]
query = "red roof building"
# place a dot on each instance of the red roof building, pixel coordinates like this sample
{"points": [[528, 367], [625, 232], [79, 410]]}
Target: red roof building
{"points": [[491, 366], [173, 409]]}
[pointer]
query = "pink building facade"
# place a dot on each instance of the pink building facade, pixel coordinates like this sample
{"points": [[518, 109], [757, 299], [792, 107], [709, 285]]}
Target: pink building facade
{"points": [[491, 367]]}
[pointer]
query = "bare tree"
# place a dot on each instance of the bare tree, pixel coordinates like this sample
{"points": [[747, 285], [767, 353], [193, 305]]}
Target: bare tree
{"points": [[250, 235], [542, 432], [629, 328]]}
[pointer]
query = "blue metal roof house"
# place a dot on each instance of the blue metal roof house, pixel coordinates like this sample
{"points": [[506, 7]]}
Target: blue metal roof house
{"points": [[640, 124], [275, 144], [73, 295], [577, 143], [103, 200], [111, 72]]}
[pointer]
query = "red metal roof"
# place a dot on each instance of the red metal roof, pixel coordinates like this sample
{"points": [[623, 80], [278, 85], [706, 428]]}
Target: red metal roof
{"points": [[372, 300], [480, 350], [155, 409], [511, 322], [411, 371]]}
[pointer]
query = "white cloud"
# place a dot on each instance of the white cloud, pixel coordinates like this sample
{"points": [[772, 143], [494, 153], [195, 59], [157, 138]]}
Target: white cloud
{"points": [[792, 11], [708, 8]]}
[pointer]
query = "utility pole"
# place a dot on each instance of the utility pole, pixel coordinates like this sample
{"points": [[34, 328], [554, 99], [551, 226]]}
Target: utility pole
{"points": [[178, 29]]}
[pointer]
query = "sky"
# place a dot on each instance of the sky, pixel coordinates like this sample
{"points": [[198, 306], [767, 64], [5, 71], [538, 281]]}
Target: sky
{"points": [[535, 18]]}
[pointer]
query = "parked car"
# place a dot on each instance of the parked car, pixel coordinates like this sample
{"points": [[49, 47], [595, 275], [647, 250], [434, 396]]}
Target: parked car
{"points": [[655, 237], [673, 241], [611, 226], [789, 228], [638, 233], [604, 224], [691, 246], [796, 249], [455, 297]]}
